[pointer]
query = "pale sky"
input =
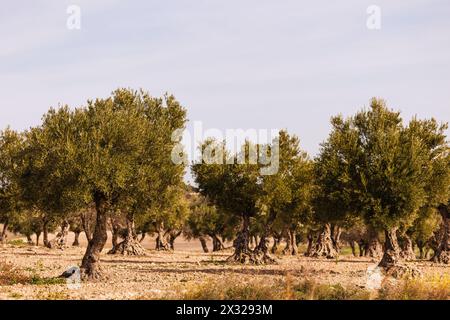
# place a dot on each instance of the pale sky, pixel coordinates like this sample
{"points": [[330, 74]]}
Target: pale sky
{"points": [[233, 64]]}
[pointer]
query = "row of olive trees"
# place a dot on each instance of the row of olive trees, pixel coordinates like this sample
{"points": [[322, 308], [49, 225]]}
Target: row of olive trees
{"points": [[112, 156], [110, 162], [372, 171]]}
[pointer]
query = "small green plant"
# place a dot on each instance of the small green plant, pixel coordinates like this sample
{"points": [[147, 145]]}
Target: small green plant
{"points": [[16, 242]]}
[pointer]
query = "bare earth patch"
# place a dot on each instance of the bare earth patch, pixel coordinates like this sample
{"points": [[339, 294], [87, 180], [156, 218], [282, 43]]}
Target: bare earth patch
{"points": [[166, 275]]}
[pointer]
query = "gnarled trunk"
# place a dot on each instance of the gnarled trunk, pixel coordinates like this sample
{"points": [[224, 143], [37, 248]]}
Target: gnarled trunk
{"points": [[325, 246], [442, 253], [242, 252], [291, 243], [391, 257], [161, 241], [203, 243], [261, 251], [130, 246], [173, 235], [60, 240], [288, 248], [217, 243], [336, 232], [391, 254], [90, 266]]}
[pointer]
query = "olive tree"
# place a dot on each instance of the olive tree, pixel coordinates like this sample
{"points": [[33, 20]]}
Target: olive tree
{"points": [[387, 168], [334, 194], [11, 143], [234, 186], [286, 194]]}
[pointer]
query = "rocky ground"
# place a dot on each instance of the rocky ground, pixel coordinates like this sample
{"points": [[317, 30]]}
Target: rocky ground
{"points": [[167, 274]]}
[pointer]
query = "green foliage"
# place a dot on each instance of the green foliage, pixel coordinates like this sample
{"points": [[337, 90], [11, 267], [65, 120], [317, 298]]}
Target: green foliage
{"points": [[234, 187], [117, 148], [374, 165]]}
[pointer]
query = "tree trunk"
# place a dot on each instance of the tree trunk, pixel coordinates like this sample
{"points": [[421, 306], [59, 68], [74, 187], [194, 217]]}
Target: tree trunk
{"points": [[407, 249], [90, 266], [130, 246], [29, 240], [38, 235], [353, 246], [294, 243], [115, 230], [391, 258], [45, 232], [3, 235], [363, 247], [442, 253], [203, 243], [421, 245], [217, 243], [291, 243], [288, 248], [142, 237], [373, 248], [325, 246], [276, 241], [76, 241], [161, 241], [391, 254], [336, 232], [173, 235], [242, 252], [87, 228], [261, 252], [310, 246], [61, 237]]}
